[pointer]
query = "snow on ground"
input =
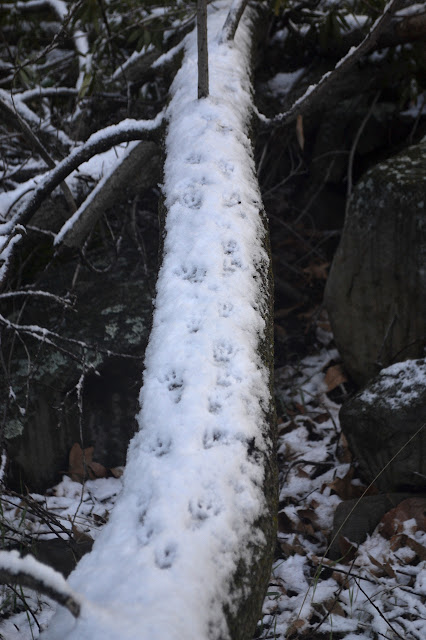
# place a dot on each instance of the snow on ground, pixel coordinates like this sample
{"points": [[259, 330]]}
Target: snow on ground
{"points": [[341, 602]]}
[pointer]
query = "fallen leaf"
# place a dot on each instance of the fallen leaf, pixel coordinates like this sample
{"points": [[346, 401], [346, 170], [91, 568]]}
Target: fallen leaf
{"points": [[347, 549], [334, 607], [96, 470], [393, 521], [385, 568], [80, 536], [78, 461], [418, 548], [335, 376], [117, 472]]}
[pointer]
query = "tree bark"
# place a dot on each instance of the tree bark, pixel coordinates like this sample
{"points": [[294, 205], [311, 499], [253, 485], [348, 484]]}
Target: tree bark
{"points": [[203, 56]]}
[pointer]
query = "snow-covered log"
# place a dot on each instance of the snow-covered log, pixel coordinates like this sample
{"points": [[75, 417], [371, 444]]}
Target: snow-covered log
{"points": [[187, 550]]}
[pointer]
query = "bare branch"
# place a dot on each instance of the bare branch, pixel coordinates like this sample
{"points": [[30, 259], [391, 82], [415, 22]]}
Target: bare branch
{"points": [[29, 572], [313, 92], [21, 124], [128, 170], [232, 20], [99, 142]]}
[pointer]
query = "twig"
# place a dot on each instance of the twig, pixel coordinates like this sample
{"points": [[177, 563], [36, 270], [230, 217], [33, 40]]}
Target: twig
{"points": [[313, 92], [378, 611]]}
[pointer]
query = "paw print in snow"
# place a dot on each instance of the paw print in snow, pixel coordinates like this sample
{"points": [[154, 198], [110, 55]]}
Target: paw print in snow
{"points": [[175, 385], [203, 508], [192, 273], [193, 158], [223, 351], [226, 167], [192, 198], [231, 199], [165, 557], [226, 309]]}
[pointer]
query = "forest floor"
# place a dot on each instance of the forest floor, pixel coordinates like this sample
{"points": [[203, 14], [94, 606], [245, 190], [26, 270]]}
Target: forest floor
{"points": [[375, 591]]}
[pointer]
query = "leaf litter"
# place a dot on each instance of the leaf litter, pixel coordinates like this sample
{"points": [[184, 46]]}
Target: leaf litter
{"points": [[376, 589]]}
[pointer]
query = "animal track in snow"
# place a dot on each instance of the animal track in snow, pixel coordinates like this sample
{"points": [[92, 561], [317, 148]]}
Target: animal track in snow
{"points": [[231, 199], [203, 508], [165, 557], [175, 385], [192, 273], [214, 406], [194, 325], [226, 309], [193, 158], [192, 198], [232, 261], [226, 167], [210, 439], [223, 351]]}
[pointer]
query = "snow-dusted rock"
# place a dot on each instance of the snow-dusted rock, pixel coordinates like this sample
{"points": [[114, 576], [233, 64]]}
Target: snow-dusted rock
{"points": [[383, 424], [377, 285]]}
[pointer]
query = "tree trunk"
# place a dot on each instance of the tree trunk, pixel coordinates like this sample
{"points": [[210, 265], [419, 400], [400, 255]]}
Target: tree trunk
{"points": [[188, 548]]}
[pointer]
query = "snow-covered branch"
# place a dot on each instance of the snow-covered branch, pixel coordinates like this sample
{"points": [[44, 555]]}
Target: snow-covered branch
{"points": [[139, 154], [28, 572], [314, 92], [126, 131], [232, 20]]}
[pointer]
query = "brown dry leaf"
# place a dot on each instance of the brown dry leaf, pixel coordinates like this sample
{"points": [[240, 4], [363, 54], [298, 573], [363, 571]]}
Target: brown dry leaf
{"points": [[344, 454], [308, 521], [96, 470], [335, 376], [117, 472], [393, 521], [384, 569], [334, 607], [293, 629], [397, 541], [347, 549], [320, 418], [302, 473], [418, 548], [343, 486], [299, 131], [80, 536], [291, 549], [78, 461]]}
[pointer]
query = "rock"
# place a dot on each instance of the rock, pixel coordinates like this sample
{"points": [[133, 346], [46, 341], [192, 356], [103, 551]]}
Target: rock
{"points": [[379, 421], [377, 284], [357, 518], [112, 313]]}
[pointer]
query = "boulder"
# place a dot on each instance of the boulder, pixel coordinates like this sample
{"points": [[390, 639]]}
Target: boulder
{"points": [[357, 518], [112, 314], [383, 425], [377, 284]]}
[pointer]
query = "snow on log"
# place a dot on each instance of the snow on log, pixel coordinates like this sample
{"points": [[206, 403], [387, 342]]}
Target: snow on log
{"points": [[187, 550]]}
